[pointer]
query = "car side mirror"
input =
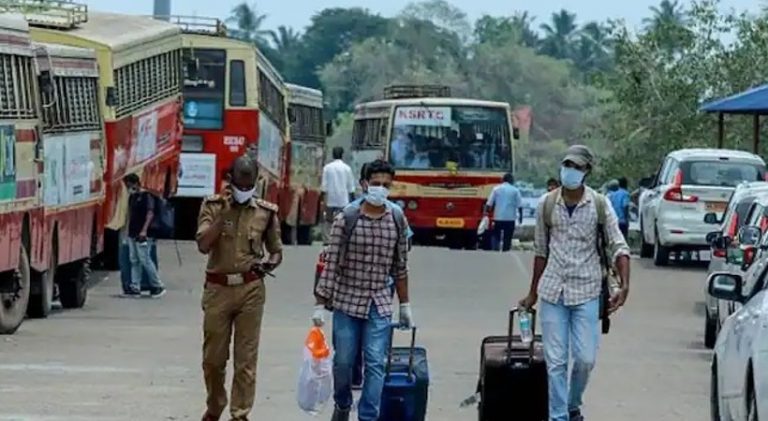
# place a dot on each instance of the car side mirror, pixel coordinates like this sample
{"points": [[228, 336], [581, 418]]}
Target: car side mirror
{"points": [[714, 237], [711, 218], [725, 286], [750, 235], [646, 182]]}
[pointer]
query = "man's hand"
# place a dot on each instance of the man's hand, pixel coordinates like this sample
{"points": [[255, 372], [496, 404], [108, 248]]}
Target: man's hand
{"points": [[142, 237], [318, 317], [406, 316], [618, 299], [529, 301]]}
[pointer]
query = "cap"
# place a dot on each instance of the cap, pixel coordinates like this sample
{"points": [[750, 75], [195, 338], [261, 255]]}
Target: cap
{"points": [[579, 155]]}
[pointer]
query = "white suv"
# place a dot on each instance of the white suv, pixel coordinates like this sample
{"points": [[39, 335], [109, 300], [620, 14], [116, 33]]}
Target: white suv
{"points": [[690, 184]]}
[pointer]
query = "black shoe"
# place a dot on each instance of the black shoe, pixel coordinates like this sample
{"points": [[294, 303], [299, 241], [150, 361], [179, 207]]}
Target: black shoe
{"points": [[340, 414], [575, 415], [157, 293], [131, 294]]}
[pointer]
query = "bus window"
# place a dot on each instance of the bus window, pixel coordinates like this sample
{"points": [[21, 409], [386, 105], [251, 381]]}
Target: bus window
{"points": [[237, 83], [474, 138], [204, 78]]}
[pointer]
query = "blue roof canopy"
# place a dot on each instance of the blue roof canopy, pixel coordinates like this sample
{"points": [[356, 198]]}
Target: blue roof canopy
{"points": [[752, 101]]}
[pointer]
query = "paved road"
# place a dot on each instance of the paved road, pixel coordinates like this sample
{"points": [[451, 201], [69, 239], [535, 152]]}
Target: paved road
{"points": [[121, 359]]}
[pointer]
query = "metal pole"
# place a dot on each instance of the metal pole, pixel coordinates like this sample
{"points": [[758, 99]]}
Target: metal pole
{"points": [[756, 133], [720, 130], [162, 9]]}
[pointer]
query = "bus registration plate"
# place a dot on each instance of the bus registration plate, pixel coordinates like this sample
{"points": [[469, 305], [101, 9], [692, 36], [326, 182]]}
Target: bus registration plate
{"points": [[450, 222]]}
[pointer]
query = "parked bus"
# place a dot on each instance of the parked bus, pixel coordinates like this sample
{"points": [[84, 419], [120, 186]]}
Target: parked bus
{"points": [[220, 111], [51, 154], [139, 98], [448, 152], [308, 132], [273, 150]]}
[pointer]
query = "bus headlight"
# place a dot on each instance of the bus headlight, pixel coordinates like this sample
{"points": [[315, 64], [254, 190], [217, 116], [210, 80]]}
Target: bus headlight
{"points": [[412, 205]]}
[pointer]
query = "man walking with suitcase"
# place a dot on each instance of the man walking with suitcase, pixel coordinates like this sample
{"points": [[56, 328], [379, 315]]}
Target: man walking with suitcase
{"points": [[368, 245], [568, 279]]}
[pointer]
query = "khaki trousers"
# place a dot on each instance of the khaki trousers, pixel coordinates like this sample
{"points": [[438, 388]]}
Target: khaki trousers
{"points": [[227, 308]]}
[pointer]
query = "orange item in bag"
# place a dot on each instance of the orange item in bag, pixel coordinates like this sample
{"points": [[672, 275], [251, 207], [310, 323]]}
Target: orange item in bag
{"points": [[316, 344]]}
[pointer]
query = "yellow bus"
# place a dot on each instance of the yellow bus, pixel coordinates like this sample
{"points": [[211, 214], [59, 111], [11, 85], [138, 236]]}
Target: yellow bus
{"points": [[448, 153], [221, 106], [308, 132], [140, 95]]}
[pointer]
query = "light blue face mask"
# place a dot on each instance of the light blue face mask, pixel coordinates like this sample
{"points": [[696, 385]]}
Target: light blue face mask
{"points": [[571, 177], [377, 195]]}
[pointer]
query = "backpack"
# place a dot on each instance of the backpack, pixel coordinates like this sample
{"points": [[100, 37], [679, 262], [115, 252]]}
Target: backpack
{"points": [[162, 225], [600, 206], [351, 214]]}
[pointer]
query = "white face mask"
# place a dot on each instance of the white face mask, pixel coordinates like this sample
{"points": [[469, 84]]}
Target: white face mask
{"points": [[377, 195], [242, 196]]}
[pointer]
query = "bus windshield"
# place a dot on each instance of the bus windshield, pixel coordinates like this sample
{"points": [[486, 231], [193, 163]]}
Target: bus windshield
{"points": [[475, 138], [204, 78]]}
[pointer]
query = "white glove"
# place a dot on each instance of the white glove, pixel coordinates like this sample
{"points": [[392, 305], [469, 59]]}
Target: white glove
{"points": [[318, 317], [406, 316]]}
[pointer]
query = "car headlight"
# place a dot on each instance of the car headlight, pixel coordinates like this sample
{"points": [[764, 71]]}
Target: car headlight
{"points": [[412, 205]]}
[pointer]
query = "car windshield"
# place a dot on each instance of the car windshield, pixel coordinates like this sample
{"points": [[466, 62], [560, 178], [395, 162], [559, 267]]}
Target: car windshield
{"points": [[721, 173], [470, 138]]}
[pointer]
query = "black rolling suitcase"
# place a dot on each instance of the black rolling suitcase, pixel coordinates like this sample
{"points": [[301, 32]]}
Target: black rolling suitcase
{"points": [[513, 377]]}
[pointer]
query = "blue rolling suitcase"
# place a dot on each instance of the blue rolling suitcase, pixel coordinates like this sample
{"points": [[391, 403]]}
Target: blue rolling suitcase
{"points": [[406, 383]]}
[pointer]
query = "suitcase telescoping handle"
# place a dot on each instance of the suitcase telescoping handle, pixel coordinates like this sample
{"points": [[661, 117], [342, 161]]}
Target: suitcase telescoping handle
{"points": [[411, 350], [512, 329]]}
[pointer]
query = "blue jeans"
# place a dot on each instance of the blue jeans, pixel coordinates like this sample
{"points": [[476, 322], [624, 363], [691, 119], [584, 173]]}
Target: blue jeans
{"points": [[349, 334], [357, 374], [141, 263], [574, 331], [125, 267]]}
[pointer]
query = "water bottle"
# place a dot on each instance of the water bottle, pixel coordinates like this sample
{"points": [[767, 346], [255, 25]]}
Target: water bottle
{"points": [[526, 333]]}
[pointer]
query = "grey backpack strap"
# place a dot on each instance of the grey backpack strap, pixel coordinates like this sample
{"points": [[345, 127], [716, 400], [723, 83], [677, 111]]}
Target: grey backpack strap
{"points": [[351, 214], [549, 209]]}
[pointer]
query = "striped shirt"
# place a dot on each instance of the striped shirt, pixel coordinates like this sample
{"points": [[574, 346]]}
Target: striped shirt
{"points": [[573, 269], [353, 282]]}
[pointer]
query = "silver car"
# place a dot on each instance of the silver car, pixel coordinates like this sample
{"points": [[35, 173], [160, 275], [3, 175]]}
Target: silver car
{"points": [[739, 386], [689, 184], [724, 242]]}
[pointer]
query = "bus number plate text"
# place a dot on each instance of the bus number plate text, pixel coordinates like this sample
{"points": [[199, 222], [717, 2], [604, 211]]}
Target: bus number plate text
{"points": [[450, 222]]}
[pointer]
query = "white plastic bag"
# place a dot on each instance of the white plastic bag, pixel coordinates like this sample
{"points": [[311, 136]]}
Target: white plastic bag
{"points": [[483, 226], [316, 375]]}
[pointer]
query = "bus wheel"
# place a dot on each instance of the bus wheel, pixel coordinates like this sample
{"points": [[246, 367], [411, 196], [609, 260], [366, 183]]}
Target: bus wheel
{"points": [[73, 284], [470, 240], [304, 235], [14, 295], [41, 301]]}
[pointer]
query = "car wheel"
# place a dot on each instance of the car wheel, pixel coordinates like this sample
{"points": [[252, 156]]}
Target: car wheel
{"points": [[714, 396], [660, 253], [710, 331], [646, 249]]}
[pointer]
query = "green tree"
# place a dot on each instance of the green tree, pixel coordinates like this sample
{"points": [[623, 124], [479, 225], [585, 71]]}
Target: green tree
{"points": [[592, 52], [523, 22], [442, 14], [499, 30], [559, 35], [331, 32], [670, 24], [248, 24], [285, 39]]}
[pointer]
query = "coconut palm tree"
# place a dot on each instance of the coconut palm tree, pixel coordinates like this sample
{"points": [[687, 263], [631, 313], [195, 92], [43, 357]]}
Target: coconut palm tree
{"points": [[523, 22], [559, 34], [285, 39], [666, 14], [248, 22], [593, 49]]}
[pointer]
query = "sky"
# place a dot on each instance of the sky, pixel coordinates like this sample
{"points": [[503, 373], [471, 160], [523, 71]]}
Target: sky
{"points": [[297, 13]]}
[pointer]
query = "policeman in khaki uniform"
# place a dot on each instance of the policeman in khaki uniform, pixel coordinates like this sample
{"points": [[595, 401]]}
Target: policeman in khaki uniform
{"points": [[234, 228]]}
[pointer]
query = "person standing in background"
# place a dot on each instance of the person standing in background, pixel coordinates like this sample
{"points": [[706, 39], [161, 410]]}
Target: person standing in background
{"points": [[338, 186], [619, 197], [505, 200], [141, 211], [552, 184]]}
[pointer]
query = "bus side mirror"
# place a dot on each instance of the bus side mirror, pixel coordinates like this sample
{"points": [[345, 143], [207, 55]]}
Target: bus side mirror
{"points": [[329, 129], [515, 133], [111, 98], [291, 115]]}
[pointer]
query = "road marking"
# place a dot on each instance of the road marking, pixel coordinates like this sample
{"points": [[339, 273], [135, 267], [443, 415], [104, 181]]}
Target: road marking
{"points": [[73, 369]]}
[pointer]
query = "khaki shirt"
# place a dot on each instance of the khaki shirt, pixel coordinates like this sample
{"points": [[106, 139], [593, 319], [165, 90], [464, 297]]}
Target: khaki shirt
{"points": [[247, 231]]}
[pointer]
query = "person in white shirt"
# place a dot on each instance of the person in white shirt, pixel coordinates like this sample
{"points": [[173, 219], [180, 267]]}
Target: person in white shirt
{"points": [[338, 188]]}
